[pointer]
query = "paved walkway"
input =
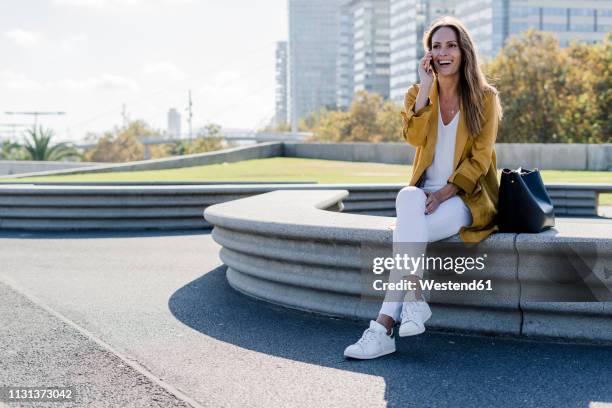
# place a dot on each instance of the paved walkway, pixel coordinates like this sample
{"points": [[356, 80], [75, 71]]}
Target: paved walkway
{"points": [[148, 320]]}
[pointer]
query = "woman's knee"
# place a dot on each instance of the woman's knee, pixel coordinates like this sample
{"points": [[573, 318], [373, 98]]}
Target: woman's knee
{"points": [[410, 196]]}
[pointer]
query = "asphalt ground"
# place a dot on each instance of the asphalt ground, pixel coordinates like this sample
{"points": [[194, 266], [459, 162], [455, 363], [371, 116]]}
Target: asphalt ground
{"points": [[145, 320]]}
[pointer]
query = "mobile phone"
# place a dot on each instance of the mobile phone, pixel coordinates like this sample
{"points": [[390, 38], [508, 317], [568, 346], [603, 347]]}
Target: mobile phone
{"points": [[431, 64]]}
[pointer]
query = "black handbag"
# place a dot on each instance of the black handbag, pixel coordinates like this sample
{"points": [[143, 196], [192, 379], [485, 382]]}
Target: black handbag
{"points": [[524, 204]]}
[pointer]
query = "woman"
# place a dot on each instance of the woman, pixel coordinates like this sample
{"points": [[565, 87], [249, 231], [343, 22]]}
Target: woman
{"points": [[451, 118]]}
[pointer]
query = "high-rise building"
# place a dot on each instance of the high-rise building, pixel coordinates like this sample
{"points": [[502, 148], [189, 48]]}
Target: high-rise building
{"points": [[404, 44], [493, 21], [174, 123], [281, 92], [314, 27], [371, 50], [344, 62], [487, 21]]}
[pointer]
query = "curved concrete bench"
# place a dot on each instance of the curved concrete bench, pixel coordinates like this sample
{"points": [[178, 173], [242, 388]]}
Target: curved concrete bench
{"points": [[31, 207], [295, 249], [155, 206], [158, 206]]}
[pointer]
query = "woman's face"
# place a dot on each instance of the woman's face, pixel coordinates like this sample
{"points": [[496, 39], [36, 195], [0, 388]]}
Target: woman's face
{"points": [[444, 49]]}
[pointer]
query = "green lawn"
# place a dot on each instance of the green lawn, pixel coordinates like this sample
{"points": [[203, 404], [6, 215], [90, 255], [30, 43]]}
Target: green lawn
{"points": [[298, 169]]}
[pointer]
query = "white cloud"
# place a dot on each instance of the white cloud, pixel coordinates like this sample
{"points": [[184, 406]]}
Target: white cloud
{"points": [[23, 38], [108, 82], [105, 82], [18, 81], [74, 42], [165, 70], [227, 75]]}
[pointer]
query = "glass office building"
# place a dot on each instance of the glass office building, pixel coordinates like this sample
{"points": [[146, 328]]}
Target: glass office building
{"points": [[345, 60], [281, 91], [312, 51], [491, 22]]}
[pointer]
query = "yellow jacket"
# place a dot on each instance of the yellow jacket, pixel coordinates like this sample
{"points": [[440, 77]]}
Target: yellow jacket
{"points": [[474, 161]]}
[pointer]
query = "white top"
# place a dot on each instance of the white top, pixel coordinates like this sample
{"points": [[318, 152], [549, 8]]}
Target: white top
{"points": [[441, 168]]}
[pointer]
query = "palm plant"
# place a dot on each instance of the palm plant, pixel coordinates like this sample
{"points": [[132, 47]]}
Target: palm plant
{"points": [[38, 146], [10, 150]]}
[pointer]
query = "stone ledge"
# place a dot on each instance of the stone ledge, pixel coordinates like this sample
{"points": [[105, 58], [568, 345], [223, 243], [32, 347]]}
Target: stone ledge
{"points": [[99, 206], [285, 247]]}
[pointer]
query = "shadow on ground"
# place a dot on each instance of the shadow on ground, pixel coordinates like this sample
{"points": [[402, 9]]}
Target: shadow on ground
{"points": [[432, 369]]}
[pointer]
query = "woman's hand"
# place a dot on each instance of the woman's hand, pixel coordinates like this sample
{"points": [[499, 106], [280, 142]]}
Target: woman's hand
{"points": [[426, 77], [432, 202], [434, 199], [426, 71]]}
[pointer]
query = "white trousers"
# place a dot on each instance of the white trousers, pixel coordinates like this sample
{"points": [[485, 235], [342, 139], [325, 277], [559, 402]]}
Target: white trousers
{"points": [[414, 226]]}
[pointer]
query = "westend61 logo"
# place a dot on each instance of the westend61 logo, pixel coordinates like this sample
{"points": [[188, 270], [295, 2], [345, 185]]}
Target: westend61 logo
{"points": [[458, 265]]}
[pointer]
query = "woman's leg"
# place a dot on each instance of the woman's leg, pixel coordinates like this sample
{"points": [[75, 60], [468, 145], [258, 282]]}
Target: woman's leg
{"points": [[410, 237], [413, 231], [448, 219]]}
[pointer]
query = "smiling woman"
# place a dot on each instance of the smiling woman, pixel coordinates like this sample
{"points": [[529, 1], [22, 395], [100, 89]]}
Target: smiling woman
{"points": [[451, 118]]}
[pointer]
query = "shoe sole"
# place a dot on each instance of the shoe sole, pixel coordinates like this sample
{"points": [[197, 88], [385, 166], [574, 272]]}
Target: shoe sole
{"points": [[369, 357], [414, 333]]}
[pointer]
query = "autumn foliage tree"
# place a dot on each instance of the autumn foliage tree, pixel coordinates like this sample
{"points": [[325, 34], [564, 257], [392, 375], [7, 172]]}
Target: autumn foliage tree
{"points": [[368, 119], [550, 94], [121, 144]]}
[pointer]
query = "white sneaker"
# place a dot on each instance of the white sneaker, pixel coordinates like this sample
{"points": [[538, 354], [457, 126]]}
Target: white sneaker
{"points": [[414, 315], [375, 342]]}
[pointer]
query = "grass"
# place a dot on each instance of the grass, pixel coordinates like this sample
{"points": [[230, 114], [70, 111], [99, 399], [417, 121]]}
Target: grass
{"points": [[299, 169]]}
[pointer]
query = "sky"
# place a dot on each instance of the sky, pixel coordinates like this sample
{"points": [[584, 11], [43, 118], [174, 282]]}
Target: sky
{"points": [[89, 57]]}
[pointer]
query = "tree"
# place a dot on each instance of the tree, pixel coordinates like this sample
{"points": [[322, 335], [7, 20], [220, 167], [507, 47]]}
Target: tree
{"points": [[368, 119], [588, 117], [312, 120], [12, 151], [122, 145], [531, 73], [209, 140], [116, 148], [390, 123], [332, 127], [602, 87], [551, 94], [38, 146], [126, 144], [362, 117]]}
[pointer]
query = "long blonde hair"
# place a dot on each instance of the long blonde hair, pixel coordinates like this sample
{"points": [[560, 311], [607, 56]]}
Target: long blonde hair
{"points": [[472, 82]]}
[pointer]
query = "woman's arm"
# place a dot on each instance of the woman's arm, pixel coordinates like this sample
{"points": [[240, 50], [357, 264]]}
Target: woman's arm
{"points": [[415, 121], [417, 106], [472, 168], [446, 192]]}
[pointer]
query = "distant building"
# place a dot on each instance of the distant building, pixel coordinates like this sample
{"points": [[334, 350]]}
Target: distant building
{"points": [[487, 21], [174, 123], [281, 91], [493, 21], [338, 47], [313, 48], [403, 48], [345, 59], [371, 51]]}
